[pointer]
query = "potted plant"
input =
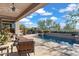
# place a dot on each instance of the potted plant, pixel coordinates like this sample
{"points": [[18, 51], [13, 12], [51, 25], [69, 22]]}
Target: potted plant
{"points": [[4, 37]]}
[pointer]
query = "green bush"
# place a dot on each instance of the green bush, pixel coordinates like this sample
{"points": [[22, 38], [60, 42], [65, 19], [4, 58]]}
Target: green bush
{"points": [[3, 36]]}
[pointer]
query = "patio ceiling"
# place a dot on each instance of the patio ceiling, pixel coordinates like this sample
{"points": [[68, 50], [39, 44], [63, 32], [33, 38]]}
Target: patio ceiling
{"points": [[21, 10]]}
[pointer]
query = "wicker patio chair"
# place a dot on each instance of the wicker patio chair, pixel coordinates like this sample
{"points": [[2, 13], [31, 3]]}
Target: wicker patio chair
{"points": [[25, 46]]}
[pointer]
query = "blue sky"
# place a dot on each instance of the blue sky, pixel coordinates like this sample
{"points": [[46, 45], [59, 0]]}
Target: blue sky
{"points": [[54, 11]]}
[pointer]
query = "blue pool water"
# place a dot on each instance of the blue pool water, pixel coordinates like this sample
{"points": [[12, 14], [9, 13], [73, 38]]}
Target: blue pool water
{"points": [[58, 39]]}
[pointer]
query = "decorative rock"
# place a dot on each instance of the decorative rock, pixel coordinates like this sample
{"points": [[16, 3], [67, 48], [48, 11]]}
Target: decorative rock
{"points": [[63, 51], [41, 50], [76, 45], [73, 53], [63, 47], [56, 53], [68, 53], [51, 44], [38, 42]]}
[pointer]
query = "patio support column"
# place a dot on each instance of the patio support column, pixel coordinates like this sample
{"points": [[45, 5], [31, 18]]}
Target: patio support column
{"points": [[17, 28], [0, 24]]}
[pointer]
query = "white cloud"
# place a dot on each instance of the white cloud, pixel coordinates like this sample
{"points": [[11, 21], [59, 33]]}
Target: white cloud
{"points": [[34, 25], [43, 19], [24, 20], [27, 22], [47, 13], [77, 17], [53, 18], [62, 25], [70, 7], [54, 8], [29, 25], [32, 15], [77, 26], [43, 12]]}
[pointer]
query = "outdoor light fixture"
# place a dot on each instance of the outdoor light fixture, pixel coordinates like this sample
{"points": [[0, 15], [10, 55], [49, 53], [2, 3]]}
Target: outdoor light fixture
{"points": [[13, 7]]}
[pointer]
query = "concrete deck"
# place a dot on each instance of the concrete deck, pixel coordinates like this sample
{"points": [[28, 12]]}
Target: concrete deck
{"points": [[44, 48]]}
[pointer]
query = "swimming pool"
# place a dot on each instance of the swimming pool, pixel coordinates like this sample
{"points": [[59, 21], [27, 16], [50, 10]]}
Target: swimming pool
{"points": [[58, 39]]}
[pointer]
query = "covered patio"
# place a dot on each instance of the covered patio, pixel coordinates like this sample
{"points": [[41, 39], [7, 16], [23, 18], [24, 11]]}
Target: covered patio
{"points": [[10, 14]]}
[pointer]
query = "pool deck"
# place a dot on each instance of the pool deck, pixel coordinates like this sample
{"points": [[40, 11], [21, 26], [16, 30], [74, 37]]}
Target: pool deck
{"points": [[44, 48]]}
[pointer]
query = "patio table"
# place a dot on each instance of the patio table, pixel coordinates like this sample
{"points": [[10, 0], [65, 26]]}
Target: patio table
{"points": [[25, 45], [6, 47]]}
